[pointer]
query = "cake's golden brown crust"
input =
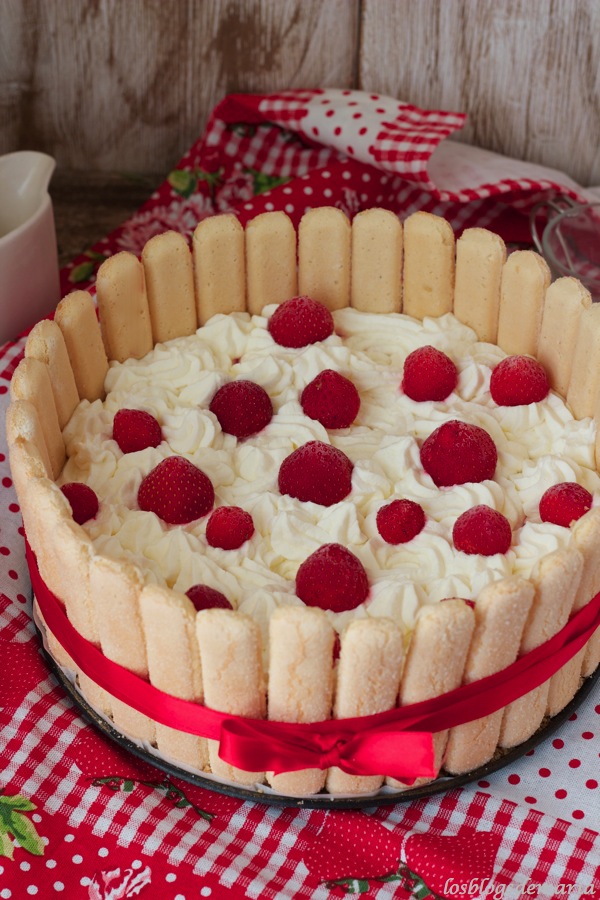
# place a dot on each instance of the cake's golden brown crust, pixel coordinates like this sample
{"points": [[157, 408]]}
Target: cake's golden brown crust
{"points": [[480, 258], [376, 279], [525, 280], [123, 307], [76, 317], [565, 301], [324, 242], [46, 343], [429, 266], [270, 261], [31, 382], [169, 276], [583, 391], [219, 267]]}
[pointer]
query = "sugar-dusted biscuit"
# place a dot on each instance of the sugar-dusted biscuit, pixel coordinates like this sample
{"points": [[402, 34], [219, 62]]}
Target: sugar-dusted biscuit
{"points": [[301, 643], [565, 301], [169, 624], [376, 281], [23, 428], [76, 317], [169, 273], [555, 579], [31, 382], [123, 307], [480, 257], [368, 679], [232, 676], [429, 266], [324, 246], [584, 384], [525, 280], [271, 273], [501, 611], [435, 661], [591, 656], [46, 343], [219, 267]]}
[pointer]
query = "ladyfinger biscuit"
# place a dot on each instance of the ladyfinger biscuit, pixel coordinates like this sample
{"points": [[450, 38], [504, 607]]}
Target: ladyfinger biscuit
{"points": [[23, 427], [123, 307], [76, 317], [169, 276], [324, 245], [429, 266], [565, 301], [31, 382], [584, 383], [46, 343], [500, 615], [376, 282], [232, 676], [525, 280], [169, 624], [368, 680], [435, 661], [300, 682], [271, 273], [555, 580], [591, 658], [480, 256], [115, 589], [219, 267]]}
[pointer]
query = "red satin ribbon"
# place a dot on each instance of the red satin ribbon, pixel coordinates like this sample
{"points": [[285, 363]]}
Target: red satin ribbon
{"points": [[398, 742]]}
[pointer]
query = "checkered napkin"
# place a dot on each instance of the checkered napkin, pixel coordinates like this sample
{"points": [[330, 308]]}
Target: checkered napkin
{"points": [[80, 818]]}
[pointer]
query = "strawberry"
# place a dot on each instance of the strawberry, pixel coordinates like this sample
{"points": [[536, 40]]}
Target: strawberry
{"points": [[445, 863], [400, 521], [482, 530], [134, 429], [332, 578], [456, 453], [429, 375], [242, 407], [229, 527], [299, 322], [83, 500], [331, 399], [177, 491], [205, 597], [352, 845], [316, 472], [518, 380], [564, 503]]}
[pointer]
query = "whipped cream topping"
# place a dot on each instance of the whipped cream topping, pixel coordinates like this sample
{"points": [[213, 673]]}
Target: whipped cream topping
{"points": [[538, 445]]}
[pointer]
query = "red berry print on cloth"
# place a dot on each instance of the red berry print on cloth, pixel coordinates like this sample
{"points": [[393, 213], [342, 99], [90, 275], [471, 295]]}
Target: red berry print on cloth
{"points": [[177, 491], [135, 429], [518, 380], [482, 530], [563, 504], [82, 500], [400, 521], [439, 861], [243, 408], [229, 527], [457, 453], [205, 597], [299, 322], [22, 670], [331, 399], [429, 375], [317, 473], [332, 578]]}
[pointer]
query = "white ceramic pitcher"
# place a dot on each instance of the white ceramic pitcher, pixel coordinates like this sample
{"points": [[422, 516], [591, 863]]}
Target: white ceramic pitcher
{"points": [[29, 281]]}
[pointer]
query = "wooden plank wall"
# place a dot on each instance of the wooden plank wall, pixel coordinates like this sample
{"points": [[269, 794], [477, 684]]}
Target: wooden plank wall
{"points": [[127, 85]]}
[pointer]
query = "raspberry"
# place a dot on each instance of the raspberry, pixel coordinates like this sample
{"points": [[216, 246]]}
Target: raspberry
{"points": [[564, 503], [228, 527], [332, 578], [316, 472], [331, 399], [243, 408], [518, 380], [83, 500], [457, 452], [299, 322], [134, 429], [429, 375], [482, 530], [205, 597], [177, 491], [400, 521]]}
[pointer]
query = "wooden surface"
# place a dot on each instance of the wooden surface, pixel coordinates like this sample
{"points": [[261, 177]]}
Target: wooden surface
{"points": [[127, 85]]}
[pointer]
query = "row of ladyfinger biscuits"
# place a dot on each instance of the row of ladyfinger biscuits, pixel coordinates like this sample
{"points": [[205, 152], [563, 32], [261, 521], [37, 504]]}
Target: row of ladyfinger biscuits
{"points": [[377, 265]]}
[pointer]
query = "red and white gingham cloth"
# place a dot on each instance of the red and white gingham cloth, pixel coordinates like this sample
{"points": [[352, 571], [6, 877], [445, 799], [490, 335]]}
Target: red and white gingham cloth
{"points": [[92, 822]]}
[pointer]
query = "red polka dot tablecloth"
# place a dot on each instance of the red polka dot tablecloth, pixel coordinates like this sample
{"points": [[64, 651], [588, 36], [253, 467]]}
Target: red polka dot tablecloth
{"points": [[79, 817]]}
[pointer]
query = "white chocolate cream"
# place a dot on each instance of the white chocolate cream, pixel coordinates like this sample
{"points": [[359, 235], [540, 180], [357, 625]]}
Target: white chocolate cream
{"points": [[538, 445]]}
